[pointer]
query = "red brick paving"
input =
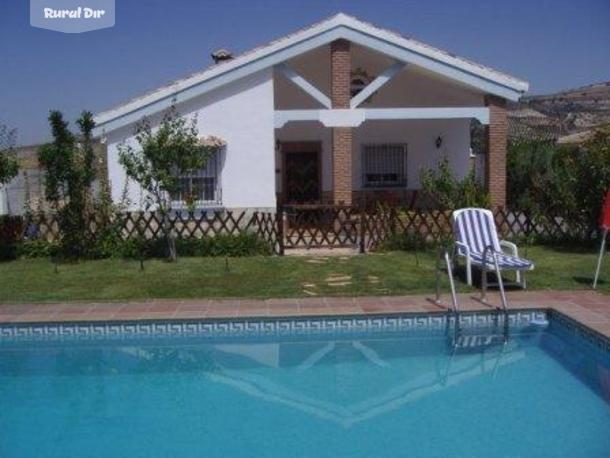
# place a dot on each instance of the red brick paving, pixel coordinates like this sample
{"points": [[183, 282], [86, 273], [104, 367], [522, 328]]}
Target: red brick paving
{"points": [[588, 307]]}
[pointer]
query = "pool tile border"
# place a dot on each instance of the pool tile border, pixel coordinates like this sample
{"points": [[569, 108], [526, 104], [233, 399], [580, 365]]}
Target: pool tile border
{"points": [[581, 330], [269, 327], [585, 312]]}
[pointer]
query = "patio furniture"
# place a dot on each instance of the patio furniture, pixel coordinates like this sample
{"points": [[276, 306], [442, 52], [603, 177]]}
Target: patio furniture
{"points": [[476, 240]]}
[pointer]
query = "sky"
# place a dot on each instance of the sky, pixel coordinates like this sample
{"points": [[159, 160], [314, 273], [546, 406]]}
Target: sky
{"points": [[553, 44]]}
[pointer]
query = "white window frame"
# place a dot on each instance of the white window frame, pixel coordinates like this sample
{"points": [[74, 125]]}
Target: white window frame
{"points": [[212, 169], [366, 163]]}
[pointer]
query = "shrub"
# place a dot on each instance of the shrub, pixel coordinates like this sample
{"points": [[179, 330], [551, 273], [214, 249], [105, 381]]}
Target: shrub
{"points": [[405, 241], [547, 180], [37, 249], [245, 244], [450, 192]]}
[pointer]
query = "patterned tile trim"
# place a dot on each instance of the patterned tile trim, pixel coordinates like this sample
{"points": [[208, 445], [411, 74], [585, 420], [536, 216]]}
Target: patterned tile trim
{"points": [[254, 328], [580, 331]]}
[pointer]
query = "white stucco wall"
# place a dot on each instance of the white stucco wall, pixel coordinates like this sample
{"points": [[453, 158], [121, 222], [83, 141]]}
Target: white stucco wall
{"points": [[420, 137], [240, 113]]}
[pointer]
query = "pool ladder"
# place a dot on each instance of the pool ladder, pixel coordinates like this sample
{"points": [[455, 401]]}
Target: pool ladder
{"points": [[443, 256], [446, 258]]}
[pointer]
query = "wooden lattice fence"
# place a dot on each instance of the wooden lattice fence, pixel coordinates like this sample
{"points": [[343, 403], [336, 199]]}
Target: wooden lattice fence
{"points": [[320, 226], [148, 225], [435, 225], [313, 226]]}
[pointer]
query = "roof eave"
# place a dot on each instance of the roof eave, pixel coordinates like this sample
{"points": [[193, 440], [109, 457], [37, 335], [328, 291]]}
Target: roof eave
{"points": [[338, 27]]}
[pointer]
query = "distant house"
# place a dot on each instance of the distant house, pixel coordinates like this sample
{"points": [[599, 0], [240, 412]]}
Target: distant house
{"points": [[332, 113], [27, 190], [28, 184]]}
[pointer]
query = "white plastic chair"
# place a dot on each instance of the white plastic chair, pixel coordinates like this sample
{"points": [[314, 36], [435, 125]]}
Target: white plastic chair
{"points": [[476, 239]]}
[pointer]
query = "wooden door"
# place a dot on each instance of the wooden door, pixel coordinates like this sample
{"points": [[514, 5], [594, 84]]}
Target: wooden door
{"points": [[301, 173]]}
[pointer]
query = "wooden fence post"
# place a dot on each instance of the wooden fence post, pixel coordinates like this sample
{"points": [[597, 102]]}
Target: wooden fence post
{"points": [[362, 229], [279, 221]]}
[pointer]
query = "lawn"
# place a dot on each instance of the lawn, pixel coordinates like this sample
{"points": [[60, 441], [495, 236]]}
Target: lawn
{"points": [[392, 273]]}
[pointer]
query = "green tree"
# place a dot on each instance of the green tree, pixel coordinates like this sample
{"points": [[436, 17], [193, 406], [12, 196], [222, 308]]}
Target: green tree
{"points": [[540, 178], [160, 157], [451, 193], [69, 164], [592, 164], [8, 162], [568, 182]]}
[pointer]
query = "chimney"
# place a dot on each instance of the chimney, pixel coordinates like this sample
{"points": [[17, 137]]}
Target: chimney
{"points": [[221, 55]]}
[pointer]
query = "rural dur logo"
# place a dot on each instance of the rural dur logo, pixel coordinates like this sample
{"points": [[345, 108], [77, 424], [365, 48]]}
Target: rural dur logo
{"points": [[72, 16]]}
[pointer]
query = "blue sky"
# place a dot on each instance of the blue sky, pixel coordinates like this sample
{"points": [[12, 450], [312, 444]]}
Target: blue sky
{"points": [[554, 44]]}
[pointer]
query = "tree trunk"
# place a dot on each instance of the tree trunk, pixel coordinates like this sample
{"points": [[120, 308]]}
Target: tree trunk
{"points": [[169, 237]]}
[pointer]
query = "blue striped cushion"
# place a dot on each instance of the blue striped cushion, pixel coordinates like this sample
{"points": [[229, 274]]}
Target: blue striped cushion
{"points": [[505, 261], [476, 228]]}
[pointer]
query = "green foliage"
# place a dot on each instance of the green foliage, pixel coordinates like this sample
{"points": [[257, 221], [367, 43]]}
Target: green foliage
{"points": [[162, 155], [548, 180], [451, 193], [31, 249], [538, 179], [245, 244], [11, 228], [411, 240], [69, 163], [8, 162]]}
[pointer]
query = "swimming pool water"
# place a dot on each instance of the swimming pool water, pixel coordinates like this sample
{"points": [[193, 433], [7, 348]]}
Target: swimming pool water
{"points": [[366, 394]]}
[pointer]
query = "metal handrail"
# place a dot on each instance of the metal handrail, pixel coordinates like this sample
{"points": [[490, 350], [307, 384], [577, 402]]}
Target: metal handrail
{"points": [[494, 253], [444, 254]]}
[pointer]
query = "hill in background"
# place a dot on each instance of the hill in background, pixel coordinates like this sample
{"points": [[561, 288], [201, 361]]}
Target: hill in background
{"points": [[566, 117]]}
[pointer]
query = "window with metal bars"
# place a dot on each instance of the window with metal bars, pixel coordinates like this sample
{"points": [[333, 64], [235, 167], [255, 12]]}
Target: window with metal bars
{"points": [[384, 165], [201, 187]]}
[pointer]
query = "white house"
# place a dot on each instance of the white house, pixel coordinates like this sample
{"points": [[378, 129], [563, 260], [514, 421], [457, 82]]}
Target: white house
{"points": [[329, 114]]}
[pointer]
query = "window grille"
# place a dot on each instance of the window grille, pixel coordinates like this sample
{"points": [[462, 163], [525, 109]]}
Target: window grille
{"points": [[202, 187], [384, 165]]}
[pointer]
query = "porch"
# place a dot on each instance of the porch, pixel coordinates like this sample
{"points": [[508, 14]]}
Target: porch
{"points": [[385, 120]]}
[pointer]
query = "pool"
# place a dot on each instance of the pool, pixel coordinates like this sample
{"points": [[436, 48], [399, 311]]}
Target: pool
{"points": [[410, 385]]}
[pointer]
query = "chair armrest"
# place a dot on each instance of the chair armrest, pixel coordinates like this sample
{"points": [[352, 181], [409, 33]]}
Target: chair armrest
{"points": [[514, 251], [464, 246]]}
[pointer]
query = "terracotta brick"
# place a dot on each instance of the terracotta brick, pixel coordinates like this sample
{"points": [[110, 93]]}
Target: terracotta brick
{"points": [[495, 173], [342, 165], [340, 64]]}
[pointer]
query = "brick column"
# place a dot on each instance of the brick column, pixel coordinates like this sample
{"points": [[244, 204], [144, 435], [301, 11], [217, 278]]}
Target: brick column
{"points": [[495, 163], [340, 67]]}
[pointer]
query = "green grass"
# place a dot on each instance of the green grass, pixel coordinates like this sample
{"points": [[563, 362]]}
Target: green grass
{"points": [[264, 277]]}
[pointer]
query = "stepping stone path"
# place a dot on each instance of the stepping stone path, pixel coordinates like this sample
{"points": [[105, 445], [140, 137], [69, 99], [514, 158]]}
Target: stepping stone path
{"points": [[338, 280], [308, 289], [317, 260]]}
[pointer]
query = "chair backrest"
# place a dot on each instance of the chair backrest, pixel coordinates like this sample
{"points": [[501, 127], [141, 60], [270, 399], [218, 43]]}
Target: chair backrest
{"points": [[475, 227]]}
